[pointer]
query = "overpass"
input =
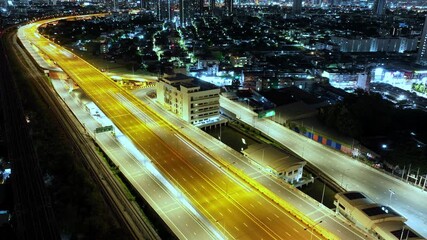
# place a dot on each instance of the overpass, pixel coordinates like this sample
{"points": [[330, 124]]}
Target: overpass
{"points": [[242, 214], [352, 174]]}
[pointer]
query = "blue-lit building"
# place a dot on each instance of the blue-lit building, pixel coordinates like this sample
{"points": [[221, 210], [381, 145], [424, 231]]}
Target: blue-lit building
{"points": [[422, 51], [379, 7], [297, 6]]}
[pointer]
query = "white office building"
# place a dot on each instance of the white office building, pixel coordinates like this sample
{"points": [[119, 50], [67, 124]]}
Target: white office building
{"points": [[191, 99]]}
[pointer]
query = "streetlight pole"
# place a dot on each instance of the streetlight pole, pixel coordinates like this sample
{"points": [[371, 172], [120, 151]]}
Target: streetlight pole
{"points": [[391, 194], [342, 177], [312, 227], [226, 183], [323, 192], [223, 224]]}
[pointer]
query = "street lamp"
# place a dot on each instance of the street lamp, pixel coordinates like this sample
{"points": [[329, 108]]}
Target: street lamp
{"points": [[244, 143], [312, 227], [342, 177], [227, 182], [391, 194]]}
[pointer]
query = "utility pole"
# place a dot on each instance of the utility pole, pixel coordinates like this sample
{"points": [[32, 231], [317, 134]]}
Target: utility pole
{"points": [[323, 192], [409, 171], [391, 194]]}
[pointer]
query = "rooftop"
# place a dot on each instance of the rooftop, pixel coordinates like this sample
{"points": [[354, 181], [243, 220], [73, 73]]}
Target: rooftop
{"points": [[354, 195], [379, 210], [356, 199], [179, 79]]}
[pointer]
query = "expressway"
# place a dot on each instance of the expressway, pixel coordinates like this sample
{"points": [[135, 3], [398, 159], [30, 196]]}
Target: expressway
{"points": [[352, 175], [229, 203]]}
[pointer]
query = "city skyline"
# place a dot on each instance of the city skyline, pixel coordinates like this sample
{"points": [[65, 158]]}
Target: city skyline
{"points": [[214, 120]]}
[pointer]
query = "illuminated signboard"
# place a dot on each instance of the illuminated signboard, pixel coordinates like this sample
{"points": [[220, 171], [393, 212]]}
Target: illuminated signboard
{"points": [[104, 129], [266, 114]]}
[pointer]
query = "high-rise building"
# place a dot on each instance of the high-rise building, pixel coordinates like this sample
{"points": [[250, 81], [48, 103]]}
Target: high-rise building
{"points": [[379, 7], [3, 3], [212, 6], [163, 10], [228, 6], [297, 6], [189, 9], [422, 51], [182, 12]]}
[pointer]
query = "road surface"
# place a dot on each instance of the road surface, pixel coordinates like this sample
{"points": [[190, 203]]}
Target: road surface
{"points": [[351, 174], [230, 204]]}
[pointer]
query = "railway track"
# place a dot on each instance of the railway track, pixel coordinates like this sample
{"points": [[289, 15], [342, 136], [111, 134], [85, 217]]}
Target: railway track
{"points": [[34, 217]]}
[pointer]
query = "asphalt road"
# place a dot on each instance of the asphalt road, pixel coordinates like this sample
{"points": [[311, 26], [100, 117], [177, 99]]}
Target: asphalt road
{"points": [[353, 175], [229, 203], [332, 222]]}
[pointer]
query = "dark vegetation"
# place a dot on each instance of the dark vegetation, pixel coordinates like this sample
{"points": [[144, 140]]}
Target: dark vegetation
{"points": [[398, 135]]}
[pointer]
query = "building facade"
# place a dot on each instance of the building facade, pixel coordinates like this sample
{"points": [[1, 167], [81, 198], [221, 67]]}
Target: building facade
{"points": [[379, 7], [422, 50], [297, 6], [189, 9], [275, 162], [228, 4], [398, 45], [193, 100]]}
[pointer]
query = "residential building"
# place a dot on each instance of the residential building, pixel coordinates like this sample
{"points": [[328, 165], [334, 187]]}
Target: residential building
{"points": [[193, 100], [399, 45], [240, 61], [379, 219], [275, 162]]}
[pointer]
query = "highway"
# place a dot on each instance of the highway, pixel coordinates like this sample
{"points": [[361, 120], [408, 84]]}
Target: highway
{"points": [[351, 174], [243, 214], [332, 222], [113, 192]]}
